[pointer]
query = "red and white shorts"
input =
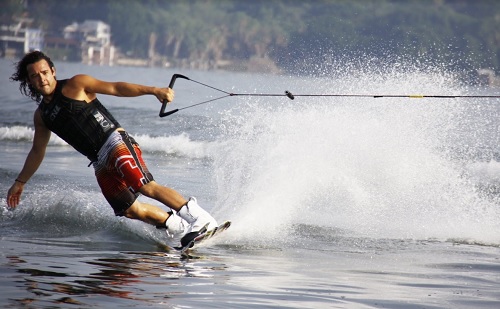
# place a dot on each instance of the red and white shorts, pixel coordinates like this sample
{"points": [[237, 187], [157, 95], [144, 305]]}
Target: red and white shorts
{"points": [[121, 171]]}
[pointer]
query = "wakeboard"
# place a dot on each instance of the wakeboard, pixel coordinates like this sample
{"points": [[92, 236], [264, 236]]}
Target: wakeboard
{"points": [[204, 236]]}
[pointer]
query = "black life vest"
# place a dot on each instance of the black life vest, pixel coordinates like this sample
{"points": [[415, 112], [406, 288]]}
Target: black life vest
{"points": [[85, 126]]}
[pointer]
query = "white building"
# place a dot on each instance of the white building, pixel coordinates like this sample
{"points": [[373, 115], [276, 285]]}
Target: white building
{"points": [[34, 40], [95, 38], [19, 38]]}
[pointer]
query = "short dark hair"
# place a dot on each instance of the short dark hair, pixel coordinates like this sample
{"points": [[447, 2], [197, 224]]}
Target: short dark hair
{"points": [[21, 74]]}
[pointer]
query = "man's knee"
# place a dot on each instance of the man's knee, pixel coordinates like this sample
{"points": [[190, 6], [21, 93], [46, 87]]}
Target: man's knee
{"points": [[133, 212], [150, 189]]}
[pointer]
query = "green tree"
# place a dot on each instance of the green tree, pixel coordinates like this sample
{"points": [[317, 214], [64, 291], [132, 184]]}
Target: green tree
{"points": [[455, 33]]}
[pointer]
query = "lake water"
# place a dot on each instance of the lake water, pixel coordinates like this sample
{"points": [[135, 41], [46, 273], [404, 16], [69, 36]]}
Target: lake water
{"points": [[336, 202]]}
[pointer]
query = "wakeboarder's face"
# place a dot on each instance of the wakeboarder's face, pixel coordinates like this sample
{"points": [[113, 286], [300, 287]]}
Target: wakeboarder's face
{"points": [[42, 77]]}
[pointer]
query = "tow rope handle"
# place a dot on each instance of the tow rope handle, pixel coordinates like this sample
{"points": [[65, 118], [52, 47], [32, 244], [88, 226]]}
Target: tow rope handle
{"points": [[165, 102]]}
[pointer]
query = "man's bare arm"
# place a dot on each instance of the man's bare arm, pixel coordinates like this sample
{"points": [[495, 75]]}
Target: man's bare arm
{"points": [[85, 87], [33, 160]]}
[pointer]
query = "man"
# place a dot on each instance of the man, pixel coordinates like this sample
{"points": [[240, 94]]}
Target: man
{"points": [[70, 109]]}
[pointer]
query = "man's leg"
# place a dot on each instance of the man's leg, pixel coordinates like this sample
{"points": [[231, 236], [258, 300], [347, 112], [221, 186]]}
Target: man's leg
{"points": [[156, 216], [165, 195], [147, 213], [190, 211]]}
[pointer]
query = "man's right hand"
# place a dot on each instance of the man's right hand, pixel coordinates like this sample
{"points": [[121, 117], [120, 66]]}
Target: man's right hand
{"points": [[14, 194]]}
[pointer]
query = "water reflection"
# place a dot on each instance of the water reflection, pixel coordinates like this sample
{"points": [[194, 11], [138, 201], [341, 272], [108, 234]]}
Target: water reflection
{"points": [[88, 281]]}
